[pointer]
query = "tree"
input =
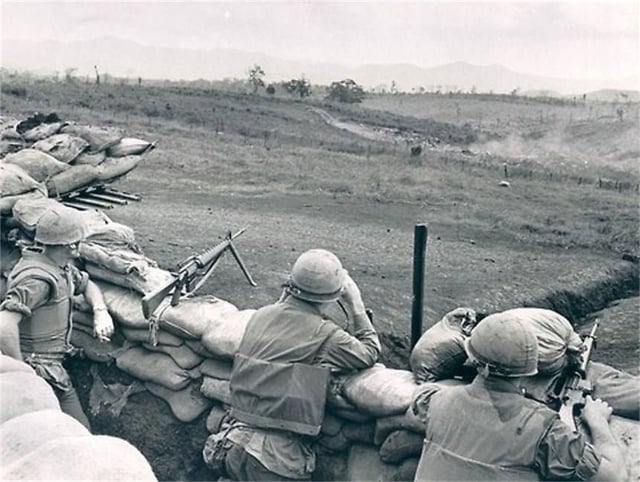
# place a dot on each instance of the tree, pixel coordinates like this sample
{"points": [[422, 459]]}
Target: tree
{"points": [[255, 77], [346, 91], [300, 87]]}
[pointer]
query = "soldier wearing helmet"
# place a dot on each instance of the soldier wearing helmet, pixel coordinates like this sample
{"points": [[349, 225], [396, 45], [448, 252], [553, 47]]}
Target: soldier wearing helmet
{"points": [[488, 430], [35, 316], [281, 372]]}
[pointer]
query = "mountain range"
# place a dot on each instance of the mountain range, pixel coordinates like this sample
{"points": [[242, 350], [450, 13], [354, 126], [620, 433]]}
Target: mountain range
{"points": [[123, 58]]}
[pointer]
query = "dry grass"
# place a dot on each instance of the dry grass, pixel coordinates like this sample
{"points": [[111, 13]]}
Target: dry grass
{"points": [[308, 184]]}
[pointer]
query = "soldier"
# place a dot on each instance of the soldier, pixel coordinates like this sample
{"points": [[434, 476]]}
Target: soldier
{"points": [[488, 430], [35, 317], [281, 372]]}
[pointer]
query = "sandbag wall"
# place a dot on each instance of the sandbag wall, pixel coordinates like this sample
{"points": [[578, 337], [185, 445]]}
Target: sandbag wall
{"points": [[44, 156], [40, 442], [184, 354]]}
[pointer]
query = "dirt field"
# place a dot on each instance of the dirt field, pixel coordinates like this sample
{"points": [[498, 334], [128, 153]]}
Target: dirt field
{"points": [[554, 238]]}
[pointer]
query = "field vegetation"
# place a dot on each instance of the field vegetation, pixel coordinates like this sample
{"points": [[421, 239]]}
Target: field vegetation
{"points": [[522, 196]]}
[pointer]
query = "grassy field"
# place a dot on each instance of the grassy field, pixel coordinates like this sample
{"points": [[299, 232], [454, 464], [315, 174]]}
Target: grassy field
{"points": [[229, 160]]}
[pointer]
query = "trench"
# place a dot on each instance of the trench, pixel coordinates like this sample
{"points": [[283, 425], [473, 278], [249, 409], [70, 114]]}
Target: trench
{"points": [[174, 448]]}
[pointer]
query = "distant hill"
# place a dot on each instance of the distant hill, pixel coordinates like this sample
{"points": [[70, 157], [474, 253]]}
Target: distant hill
{"points": [[123, 58]]}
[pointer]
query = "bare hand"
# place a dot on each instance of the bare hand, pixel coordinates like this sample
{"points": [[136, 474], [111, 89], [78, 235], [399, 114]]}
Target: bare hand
{"points": [[102, 325], [352, 295], [596, 409]]}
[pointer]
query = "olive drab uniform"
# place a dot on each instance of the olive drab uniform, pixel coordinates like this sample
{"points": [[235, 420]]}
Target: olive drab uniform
{"points": [[47, 330], [496, 435], [274, 384]]}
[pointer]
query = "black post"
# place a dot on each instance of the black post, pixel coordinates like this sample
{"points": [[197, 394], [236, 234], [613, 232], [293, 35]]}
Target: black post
{"points": [[419, 258]]}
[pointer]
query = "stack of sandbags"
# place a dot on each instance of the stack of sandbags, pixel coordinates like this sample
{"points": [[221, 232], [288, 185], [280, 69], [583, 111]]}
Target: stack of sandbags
{"points": [[66, 156], [15, 184], [184, 354], [41, 442]]}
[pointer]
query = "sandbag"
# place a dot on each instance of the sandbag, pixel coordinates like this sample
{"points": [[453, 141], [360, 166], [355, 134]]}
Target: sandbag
{"points": [[184, 356], [351, 415], [146, 281], [331, 425], [223, 335], [118, 261], [41, 131], [8, 129], [24, 392], [27, 211], [335, 443], [83, 319], [554, 333], [98, 138], [220, 369], [9, 364], [216, 389], [90, 158], [99, 457], [186, 404], [39, 165], [143, 336], [63, 147], [10, 146], [385, 425], [333, 467], [400, 445], [129, 146], [111, 235], [360, 432], [124, 305], [74, 178], [152, 367], [94, 349], [364, 464], [114, 167], [380, 391], [23, 434], [193, 316], [439, 353], [15, 180], [7, 202], [198, 347]]}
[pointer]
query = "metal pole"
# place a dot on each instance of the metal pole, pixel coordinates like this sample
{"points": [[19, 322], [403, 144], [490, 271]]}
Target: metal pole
{"points": [[419, 258]]}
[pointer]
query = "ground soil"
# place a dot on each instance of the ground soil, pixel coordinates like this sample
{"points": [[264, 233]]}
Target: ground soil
{"points": [[280, 227]]}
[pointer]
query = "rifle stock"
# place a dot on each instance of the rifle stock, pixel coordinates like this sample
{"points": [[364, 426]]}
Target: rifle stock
{"points": [[191, 273], [577, 387]]}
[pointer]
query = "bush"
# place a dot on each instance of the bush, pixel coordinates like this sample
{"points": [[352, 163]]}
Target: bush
{"points": [[14, 90], [346, 91]]}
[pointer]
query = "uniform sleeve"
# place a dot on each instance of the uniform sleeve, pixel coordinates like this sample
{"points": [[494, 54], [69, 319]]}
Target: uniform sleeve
{"points": [[26, 296], [419, 408], [80, 280], [347, 352], [566, 455]]}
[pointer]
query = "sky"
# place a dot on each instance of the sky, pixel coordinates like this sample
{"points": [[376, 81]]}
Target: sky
{"points": [[569, 39]]}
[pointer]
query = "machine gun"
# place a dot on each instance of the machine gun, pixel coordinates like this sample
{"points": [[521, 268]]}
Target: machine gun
{"points": [[192, 273], [576, 386]]}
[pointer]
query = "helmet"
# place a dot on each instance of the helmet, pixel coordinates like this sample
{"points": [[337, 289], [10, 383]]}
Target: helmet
{"points": [[55, 227], [316, 276], [505, 346]]}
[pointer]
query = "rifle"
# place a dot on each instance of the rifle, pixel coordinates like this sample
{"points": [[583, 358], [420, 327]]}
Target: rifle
{"points": [[192, 272], [576, 386]]}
